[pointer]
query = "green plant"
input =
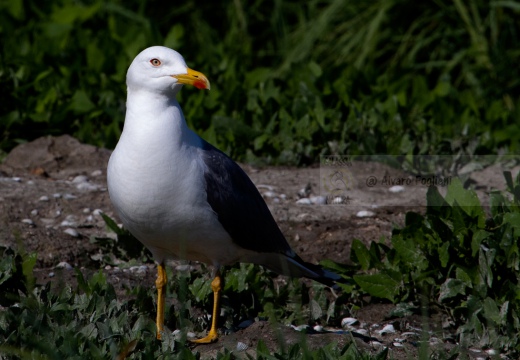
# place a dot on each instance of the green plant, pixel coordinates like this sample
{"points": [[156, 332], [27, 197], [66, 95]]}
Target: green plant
{"points": [[454, 259]]}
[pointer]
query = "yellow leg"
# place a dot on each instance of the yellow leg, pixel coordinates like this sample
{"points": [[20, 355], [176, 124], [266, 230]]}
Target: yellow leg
{"points": [[160, 284], [212, 335]]}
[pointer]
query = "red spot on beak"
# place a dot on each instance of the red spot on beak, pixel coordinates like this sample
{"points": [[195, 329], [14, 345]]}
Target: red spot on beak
{"points": [[199, 84]]}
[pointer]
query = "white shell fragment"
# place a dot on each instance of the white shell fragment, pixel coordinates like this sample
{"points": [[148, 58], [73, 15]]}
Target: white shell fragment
{"points": [[387, 329], [348, 322], [79, 179], [304, 201], [318, 200], [300, 327], [71, 232], [63, 265], [241, 346], [365, 213], [318, 328], [396, 189]]}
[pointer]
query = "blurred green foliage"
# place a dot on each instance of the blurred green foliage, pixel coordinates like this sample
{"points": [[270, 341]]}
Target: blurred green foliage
{"points": [[290, 79]]}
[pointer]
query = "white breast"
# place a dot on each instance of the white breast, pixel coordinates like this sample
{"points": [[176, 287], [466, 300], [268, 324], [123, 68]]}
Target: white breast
{"points": [[156, 184]]}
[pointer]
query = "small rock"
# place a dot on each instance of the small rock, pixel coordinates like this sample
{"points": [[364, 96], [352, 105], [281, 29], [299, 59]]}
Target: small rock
{"points": [[97, 212], [69, 197], [365, 213], [63, 265], [396, 189], [190, 335], [241, 346], [80, 179], [318, 200], [30, 182], [348, 321], [267, 187], [300, 327], [283, 196], [56, 195], [34, 212], [338, 200], [86, 210], [67, 223], [16, 179], [398, 344], [71, 232], [96, 173], [304, 201], [43, 198], [318, 328], [387, 329], [269, 194], [28, 221], [51, 274], [86, 186], [491, 351]]}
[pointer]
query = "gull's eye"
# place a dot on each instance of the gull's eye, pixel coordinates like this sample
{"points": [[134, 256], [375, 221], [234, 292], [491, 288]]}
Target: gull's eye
{"points": [[155, 62]]}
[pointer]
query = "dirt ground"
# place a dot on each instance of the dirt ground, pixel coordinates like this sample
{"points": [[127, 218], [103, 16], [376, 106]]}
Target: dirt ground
{"points": [[53, 189]]}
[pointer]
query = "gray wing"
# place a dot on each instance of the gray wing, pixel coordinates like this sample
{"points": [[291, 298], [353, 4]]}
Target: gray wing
{"points": [[239, 206], [245, 216]]}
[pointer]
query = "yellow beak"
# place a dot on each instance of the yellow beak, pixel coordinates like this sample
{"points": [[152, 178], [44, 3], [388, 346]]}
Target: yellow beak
{"points": [[195, 78]]}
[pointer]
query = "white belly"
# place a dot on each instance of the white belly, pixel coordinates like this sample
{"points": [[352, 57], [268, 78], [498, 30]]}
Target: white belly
{"points": [[166, 207]]}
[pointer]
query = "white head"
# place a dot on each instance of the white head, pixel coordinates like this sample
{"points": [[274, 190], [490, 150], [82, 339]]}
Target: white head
{"points": [[162, 70]]}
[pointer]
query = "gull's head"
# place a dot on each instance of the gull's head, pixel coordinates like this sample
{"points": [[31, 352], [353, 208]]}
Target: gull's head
{"points": [[162, 70]]}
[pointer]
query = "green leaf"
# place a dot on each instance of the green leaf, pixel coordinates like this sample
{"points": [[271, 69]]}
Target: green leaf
{"points": [[409, 252], [491, 310], [316, 311], [379, 285], [81, 103], [513, 219], [360, 254], [444, 255], [467, 200], [451, 288], [112, 225]]}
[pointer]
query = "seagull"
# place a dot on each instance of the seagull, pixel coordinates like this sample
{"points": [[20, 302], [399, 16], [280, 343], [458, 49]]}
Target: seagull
{"points": [[182, 197]]}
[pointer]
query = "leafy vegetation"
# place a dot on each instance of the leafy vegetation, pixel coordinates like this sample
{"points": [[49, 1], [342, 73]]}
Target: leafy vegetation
{"points": [[455, 260], [291, 79]]}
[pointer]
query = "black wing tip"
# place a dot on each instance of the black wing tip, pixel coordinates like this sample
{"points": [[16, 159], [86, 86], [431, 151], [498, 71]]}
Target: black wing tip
{"points": [[319, 274]]}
